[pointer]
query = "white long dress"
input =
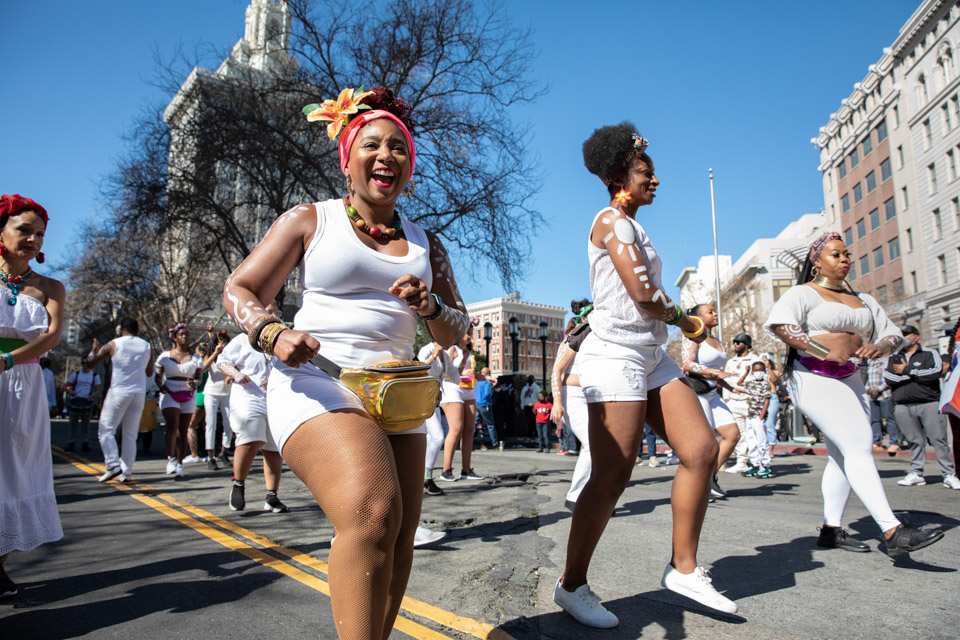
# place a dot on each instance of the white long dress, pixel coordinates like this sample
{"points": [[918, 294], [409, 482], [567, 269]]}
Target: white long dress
{"points": [[28, 507]]}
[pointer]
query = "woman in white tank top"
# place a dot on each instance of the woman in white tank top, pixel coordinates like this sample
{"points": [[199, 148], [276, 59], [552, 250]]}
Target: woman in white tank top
{"points": [[706, 361], [628, 380], [367, 274]]}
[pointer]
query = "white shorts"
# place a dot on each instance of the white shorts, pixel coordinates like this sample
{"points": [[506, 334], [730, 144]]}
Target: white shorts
{"points": [[167, 401], [611, 372], [296, 395], [717, 412], [450, 392], [467, 395], [251, 426]]}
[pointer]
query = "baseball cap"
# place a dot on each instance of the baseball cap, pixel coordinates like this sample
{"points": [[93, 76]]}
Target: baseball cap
{"points": [[744, 338], [909, 328]]}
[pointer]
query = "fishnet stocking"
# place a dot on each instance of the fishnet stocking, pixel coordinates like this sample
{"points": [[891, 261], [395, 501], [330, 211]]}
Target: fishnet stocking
{"points": [[351, 468]]}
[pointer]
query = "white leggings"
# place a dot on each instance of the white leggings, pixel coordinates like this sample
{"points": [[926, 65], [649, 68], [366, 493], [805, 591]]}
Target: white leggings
{"points": [[841, 411], [434, 439], [576, 417], [215, 404]]}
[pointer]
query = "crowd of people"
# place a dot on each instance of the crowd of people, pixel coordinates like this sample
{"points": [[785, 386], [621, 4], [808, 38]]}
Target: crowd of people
{"points": [[367, 450]]}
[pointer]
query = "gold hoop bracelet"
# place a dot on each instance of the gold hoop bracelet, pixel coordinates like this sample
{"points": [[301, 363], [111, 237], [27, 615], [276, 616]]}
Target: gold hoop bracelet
{"points": [[698, 332]]}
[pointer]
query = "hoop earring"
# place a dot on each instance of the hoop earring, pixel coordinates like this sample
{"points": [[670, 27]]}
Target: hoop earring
{"points": [[815, 271]]}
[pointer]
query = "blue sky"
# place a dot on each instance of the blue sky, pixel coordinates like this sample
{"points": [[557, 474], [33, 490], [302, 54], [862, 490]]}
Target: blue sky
{"points": [[737, 86]]}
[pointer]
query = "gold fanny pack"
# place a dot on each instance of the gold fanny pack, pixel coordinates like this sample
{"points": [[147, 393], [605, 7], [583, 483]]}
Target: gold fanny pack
{"points": [[398, 395]]}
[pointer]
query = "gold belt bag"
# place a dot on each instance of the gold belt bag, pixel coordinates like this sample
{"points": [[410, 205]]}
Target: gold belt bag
{"points": [[398, 395]]}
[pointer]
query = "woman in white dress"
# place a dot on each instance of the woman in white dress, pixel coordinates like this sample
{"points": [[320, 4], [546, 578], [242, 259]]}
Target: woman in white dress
{"points": [[31, 318]]}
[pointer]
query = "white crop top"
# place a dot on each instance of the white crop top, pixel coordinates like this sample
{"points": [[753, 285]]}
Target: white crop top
{"points": [[170, 368], [347, 305], [710, 358], [616, 317], [804, 307]]}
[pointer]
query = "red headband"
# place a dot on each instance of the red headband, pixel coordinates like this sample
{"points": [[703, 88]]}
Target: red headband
{"points": [[12, 205], [349, 135]]}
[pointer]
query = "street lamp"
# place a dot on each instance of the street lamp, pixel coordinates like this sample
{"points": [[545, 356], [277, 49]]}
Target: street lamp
{"points": [[515, 336], [543, 353], [487, 337]]}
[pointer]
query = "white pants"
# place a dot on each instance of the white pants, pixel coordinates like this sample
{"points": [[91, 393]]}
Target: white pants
{"points": [[120, 409], [841, 410], [739, 410], [213, 405], [434, 438], [576, 417], [758, 449]]}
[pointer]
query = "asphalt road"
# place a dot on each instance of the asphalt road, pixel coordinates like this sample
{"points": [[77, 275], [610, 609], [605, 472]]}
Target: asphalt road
{"points": [[161, 559]]}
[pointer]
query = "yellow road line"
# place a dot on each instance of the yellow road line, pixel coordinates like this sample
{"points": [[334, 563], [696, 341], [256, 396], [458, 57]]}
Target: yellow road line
{"points": [[448, 619]]}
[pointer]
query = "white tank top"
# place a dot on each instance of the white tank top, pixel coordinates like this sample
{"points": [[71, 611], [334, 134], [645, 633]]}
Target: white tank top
{"points": [[615, 317], [130, 358], [711, 358], [347, 305]]}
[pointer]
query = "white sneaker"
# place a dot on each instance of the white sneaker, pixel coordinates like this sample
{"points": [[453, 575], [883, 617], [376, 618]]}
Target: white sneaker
{"points": [[171, 465], [951, 482], [914, 479], [125, 477], [425, 536], [654, 461], [584, 605], [114, 472], [179, 472], [191, 460], [696, 586], [740, 467]]}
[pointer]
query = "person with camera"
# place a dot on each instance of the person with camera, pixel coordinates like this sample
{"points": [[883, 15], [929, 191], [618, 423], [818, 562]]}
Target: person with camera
{"points": [[132, 362]]}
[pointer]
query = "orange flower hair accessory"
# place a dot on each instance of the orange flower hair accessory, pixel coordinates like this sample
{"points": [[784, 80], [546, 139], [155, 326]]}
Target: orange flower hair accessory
{"points": [[623, 197], [338, 111]]}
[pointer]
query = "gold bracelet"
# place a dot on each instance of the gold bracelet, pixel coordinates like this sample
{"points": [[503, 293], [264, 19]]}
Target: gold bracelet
{"points": [[817, 350], [268, 337], [698, 332], [253, 335]]}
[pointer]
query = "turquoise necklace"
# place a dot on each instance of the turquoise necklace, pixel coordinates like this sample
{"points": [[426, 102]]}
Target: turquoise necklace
{"points": [[14, 283]]}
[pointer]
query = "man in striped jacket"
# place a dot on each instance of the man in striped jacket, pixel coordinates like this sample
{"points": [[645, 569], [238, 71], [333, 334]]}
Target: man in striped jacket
{"points": [[914, 375]]}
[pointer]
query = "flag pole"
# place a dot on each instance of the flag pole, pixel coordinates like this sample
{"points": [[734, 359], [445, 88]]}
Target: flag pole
{"points": [[716, 260]]}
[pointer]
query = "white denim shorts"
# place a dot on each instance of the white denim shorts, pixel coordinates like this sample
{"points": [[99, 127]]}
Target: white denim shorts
{"points": [[717, 412], [611, 372], [450, 393]]}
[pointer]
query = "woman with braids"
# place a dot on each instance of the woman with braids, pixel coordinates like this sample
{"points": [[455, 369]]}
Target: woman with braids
{"points": [[367, 273], [825, 324], [176, 375], [31, 318], [705, 361], [628, 379]]}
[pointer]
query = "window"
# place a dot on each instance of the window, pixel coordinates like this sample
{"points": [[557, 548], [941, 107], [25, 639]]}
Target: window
{"points": [[848, 236], [845, 202], [881, 131], [898, 288], [937, 225], [864, 265], [952, 165], [867, 146], [841, 170], [909, 240], [896, 116], [945, 117], [890, 208], [852, 274], [905, 198], [955, 107], [874, 219], [829, 181], [885, 170], [871, 181], [942, 268], [932, 178], [854, 159], [780, 287], [881, 294], [861, 229], [955, 203], [913, 281], [921, 91], [878, 257], [893, 249], [927, 134], [857, 193], [900, 157]]}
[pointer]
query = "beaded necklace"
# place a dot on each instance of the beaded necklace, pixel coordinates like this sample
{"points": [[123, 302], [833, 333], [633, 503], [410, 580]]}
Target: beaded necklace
{"points": [[374, 232], [14, 283]]}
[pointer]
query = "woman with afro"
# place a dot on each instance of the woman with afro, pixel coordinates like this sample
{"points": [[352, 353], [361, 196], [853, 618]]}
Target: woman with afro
{"points": [[628, 379]]}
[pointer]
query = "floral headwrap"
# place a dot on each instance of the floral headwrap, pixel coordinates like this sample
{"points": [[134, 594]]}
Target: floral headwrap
{"points": [[817, 247], [11, 205], [640, 145], [172, 332], [349, 114]]}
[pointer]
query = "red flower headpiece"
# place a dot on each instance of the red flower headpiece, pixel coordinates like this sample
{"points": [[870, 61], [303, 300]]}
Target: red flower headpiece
{"points": [[11, 205]]}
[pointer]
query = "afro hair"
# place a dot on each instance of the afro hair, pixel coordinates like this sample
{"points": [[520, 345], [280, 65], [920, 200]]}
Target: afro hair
{"points": [[608, 150], [384, 100]]}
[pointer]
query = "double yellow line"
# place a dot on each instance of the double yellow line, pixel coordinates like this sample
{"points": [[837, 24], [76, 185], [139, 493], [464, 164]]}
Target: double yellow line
{"points": [[255, 547]]}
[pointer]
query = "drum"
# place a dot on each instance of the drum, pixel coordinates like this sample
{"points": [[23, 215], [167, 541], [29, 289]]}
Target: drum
{"points": [[148, 420], [79, 406]]}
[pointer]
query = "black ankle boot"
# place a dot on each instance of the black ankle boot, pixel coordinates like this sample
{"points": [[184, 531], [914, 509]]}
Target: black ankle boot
{"points": [[839, 538], [906, 539]]}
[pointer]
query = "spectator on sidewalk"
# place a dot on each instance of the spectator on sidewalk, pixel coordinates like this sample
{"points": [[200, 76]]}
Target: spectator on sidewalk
{"points": [[542, 410], [758, 449], [881, 407], [528, 398], [739, 403], [914, 375], [484, 395], [83, 390]]}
